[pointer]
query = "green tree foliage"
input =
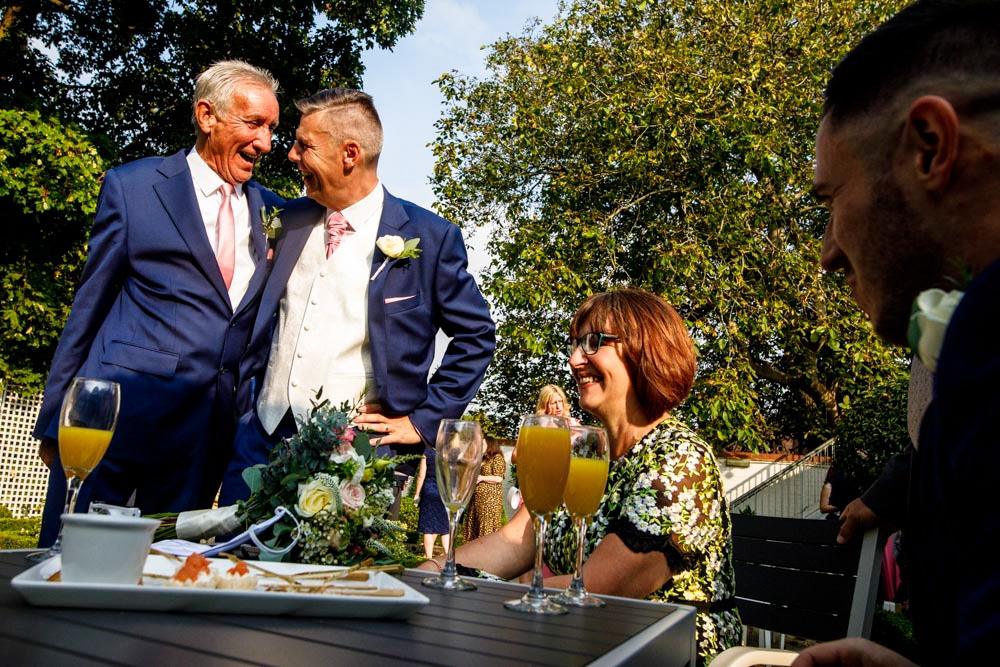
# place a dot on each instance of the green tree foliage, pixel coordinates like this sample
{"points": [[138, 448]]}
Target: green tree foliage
{"points": [[666, 144], [81, 79], [49, 178], [871, 431]]}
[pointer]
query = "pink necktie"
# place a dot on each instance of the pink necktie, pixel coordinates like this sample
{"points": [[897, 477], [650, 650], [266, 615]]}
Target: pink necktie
{"points": [[336, 225], [225, 238]]}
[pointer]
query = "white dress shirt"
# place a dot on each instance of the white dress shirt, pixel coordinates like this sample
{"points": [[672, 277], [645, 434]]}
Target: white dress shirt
{"points": [[322, 336], [206, 191]]}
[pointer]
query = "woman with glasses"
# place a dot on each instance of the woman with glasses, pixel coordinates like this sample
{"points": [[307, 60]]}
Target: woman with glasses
{"points": [[662, 530]]}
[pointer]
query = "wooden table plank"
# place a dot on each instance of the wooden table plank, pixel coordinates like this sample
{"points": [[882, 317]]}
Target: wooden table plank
{"points": [[454, 629]]}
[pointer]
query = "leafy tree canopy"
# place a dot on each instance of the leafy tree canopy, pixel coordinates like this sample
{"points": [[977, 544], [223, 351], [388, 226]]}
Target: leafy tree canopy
{"points": [[668, 145], [49, 178]]}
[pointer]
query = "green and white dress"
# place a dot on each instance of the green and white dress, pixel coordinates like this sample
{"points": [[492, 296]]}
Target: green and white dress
{"points": [[666, 495]]}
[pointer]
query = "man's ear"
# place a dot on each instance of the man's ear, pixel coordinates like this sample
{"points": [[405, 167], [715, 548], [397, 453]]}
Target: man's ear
{"points": [[205, 116], [352, 153], [931, 137]]}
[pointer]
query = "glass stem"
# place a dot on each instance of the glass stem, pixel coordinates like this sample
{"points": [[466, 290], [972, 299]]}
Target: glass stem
{"points": [[576, 586], [450, 571], [72, 491], [537, 589]]}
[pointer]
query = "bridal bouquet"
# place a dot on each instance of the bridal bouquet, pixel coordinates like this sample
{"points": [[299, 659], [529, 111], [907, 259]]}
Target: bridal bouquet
{"points": [[327, 491]]}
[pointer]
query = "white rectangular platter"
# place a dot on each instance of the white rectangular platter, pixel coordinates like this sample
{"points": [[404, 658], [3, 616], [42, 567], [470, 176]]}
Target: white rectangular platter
{"points": [[153, 595]]}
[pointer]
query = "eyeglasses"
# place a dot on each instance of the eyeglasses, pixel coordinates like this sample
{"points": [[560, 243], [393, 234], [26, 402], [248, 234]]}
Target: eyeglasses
{"points": [[590, 342]]}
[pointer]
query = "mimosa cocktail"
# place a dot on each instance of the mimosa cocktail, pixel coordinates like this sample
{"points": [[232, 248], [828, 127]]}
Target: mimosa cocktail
{"points": [[588, 477], [585, 486], [543, 456], [543, 453], [81, 449], [87, 422]]}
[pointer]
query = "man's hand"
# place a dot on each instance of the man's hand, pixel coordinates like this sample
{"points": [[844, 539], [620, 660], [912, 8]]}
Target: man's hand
{"points": [[856, 518], [47, 450], [386, 430], [853, 652]]}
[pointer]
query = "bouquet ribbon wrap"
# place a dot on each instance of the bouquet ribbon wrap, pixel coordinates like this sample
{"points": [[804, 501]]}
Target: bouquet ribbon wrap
{"points": [[199, 524]]}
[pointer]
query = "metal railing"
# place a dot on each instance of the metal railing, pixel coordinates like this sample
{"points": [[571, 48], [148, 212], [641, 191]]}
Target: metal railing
{"points": [[792, 492]]}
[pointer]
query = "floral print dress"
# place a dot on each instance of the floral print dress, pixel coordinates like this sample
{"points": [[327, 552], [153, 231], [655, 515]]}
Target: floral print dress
{"points": [[666, 495]]}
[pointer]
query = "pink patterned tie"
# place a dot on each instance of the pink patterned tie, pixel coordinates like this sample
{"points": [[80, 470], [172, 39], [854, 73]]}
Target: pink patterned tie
{"points": [[336, 225], [225, 236]]}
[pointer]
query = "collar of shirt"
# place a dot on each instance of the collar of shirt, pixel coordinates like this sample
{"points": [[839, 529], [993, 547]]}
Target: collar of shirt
{"points": [[206, 181], [360, 213]]}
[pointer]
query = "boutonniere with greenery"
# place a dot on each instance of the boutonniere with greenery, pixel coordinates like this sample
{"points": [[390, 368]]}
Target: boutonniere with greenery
{"points": [[272, 228], [394, 247], [932, 311]]}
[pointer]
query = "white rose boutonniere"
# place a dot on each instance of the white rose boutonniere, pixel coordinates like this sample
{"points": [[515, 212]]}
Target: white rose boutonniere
{"points": [[932, 310], [394, 247]]}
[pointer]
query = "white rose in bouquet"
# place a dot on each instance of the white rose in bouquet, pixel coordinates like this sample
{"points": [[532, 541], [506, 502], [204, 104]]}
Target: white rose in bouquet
{"points": [[314, 497]]}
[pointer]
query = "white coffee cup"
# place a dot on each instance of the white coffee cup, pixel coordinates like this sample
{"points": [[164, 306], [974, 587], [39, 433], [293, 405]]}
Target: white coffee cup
{"points": [[103, 549]]}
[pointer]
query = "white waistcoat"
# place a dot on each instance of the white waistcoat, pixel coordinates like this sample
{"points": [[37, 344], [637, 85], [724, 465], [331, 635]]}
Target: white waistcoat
{"points": [[322, 336]]}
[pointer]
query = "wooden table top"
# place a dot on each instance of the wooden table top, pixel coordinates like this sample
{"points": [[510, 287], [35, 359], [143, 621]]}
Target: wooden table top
{"points": [[471, 628]]}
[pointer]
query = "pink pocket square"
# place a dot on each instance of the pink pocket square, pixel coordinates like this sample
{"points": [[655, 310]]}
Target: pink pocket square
{"points": [[394, 299]]}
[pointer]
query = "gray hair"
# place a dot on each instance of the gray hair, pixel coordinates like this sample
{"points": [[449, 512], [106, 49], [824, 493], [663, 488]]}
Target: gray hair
{"points": [[357, 118], [220, 83]]}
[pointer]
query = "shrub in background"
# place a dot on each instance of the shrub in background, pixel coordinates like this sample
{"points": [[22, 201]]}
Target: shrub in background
{"points": [[872, 428], [19, 533]]}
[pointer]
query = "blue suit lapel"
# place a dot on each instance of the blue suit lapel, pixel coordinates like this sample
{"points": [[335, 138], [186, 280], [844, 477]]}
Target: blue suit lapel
{"points": [[393, 220], [255, 203], [297, 224], [176, 193], [261, 268]]}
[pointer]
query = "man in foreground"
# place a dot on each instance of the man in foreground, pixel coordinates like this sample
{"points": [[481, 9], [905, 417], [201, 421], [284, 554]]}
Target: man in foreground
{"points": [[176, 265], [362, 285], [908, 161]]}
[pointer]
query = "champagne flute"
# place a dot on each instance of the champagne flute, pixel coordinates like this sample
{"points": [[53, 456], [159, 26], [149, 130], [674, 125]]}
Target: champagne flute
{"points": [[543, 455], [86, 423], [588, 476], [458, 455]]}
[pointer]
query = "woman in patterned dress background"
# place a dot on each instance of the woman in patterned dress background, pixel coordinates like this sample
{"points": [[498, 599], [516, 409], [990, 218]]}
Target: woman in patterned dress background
{"points": [[662, 531], [485, 512]]}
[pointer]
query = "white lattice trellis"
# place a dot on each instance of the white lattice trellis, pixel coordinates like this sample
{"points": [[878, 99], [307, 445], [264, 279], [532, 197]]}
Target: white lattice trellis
{"points": [[23, 476]]}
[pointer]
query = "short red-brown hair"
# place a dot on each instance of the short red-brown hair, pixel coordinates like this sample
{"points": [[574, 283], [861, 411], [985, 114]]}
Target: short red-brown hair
{"points": [[655, 344]]}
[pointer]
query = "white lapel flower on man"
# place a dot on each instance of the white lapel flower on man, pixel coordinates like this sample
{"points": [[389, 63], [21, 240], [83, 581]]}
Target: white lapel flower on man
{"points": [[932, 310], [394, 247]]}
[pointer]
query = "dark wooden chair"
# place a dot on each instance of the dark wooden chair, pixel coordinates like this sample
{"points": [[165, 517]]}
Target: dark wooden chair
{"points": [[792, 577]]}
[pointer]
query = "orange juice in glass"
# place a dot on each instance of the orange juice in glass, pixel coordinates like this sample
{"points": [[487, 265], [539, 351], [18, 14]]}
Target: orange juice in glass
{"points": [[543, 453], [585, 486], [543, 459], [588, 477], [81, 449], [87, 421]]}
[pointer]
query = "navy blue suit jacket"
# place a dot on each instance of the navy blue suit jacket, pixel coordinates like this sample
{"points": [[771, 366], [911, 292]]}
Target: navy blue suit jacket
{"points": [[152, 312], [401, 333], [953, 525]]}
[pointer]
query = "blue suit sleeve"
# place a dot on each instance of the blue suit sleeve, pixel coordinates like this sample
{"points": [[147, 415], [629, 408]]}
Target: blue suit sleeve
{"points": [[100, 285], [463, 315]]}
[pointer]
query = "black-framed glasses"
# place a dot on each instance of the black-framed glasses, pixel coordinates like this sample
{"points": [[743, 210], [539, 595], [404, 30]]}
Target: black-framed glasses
{"points": [[590, 342]]}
